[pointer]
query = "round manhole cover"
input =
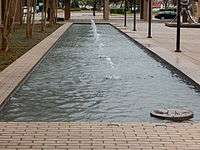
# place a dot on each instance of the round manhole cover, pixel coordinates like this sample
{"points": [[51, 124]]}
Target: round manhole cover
{"points": [[172, 114]]}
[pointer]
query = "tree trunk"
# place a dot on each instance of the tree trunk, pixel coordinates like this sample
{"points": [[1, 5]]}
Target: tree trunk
{"points": [[122, 2], [185, 17], [44, 15], [56, 10], [18, 18], [131, 6], [6, 6], [3, 7], [52, 12], [31, 4], [141, 9], [67, 9], [8, 22], [28, 19], [46, 11], [43, 19], [33, 17]]}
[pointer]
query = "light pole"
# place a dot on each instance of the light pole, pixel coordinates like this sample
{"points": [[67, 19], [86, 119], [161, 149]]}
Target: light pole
{"points": [[134, 16], [150, 18], [178, 26], [125, 6]]}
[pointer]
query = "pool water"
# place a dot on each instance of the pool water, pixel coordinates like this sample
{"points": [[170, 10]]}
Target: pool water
{"points": [[99, 78]]}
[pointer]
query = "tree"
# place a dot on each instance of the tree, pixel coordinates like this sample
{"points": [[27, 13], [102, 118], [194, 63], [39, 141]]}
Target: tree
{"points": [[31, 5], [75, 4], [10, 8], [86, 3], [43, 16], [52, 10]]}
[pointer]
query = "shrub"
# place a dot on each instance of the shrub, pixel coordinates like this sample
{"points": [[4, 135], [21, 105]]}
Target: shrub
{"points": [[117, 11], [84, 8], [75, 9]]}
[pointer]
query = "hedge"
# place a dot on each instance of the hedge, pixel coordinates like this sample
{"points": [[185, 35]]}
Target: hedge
{"points": [[117, 10]]}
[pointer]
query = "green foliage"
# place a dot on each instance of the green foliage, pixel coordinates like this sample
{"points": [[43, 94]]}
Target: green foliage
{"points": [[75, 9], [87, 2], [75, 3], [39, 1], [117, 11]]}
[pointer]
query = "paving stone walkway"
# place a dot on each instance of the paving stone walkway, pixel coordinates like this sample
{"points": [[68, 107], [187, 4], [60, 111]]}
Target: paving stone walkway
{"points": [[96, 136]]}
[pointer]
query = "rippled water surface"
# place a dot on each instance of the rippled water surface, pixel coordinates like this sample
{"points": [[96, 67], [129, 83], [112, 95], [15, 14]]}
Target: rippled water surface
{"points": [[104, 79]]}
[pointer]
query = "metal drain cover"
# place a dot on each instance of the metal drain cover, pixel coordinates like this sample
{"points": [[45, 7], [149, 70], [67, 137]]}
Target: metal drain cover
{"points": [[172, 114]]}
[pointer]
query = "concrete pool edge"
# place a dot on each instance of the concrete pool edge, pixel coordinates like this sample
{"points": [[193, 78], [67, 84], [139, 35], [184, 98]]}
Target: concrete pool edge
{"points": [[176, 60], [14, 74]]}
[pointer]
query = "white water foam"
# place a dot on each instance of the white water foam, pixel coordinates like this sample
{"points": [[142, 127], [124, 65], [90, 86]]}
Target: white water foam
{"points": [[94, 28], [110, 62], [100, 49]]}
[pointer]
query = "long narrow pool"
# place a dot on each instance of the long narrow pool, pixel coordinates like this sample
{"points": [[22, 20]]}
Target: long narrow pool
{"points": [[102, 77]]}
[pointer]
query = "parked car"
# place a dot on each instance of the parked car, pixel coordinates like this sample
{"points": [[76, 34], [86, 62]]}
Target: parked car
{"points": [[166, 14]]}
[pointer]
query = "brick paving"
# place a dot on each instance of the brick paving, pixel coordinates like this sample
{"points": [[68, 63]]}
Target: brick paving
{"points": [[96, 136]]}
